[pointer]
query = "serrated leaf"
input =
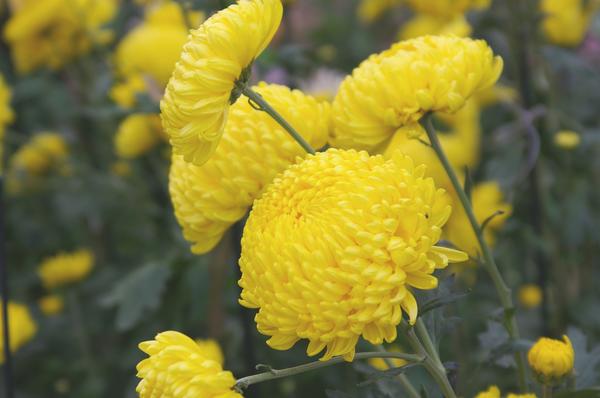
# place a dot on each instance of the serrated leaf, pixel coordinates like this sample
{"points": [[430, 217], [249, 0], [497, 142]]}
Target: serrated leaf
{"points": [[137, 293], [586, 362], [385, 374]]}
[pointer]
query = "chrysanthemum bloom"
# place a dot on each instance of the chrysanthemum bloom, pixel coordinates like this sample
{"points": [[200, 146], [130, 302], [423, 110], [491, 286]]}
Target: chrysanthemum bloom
{"points": [[413, 77], [424, 24], [551, 360], [137, 134], [51, 304], [492, 392], [6, 115], [530, 296], [332, 248], [369, 10], [50, 33], [178, 367], [447, 7], [567, 139], [65, 268], [217, 55], [208, 199], [43, 151], [150, 51], [21, 328], [567, 21]]}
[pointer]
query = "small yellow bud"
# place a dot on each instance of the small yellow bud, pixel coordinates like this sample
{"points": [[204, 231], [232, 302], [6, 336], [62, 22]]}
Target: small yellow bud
{"points": [[492, 392], [51, 304], [530, 296], [551, 359], [567, 139]]}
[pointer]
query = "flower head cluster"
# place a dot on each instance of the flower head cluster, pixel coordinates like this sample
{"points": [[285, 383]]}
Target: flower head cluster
{"points": [[217, 55], [137, 134], [51, 304], [567, 139], [151, 50], [177, 367], [49, 33], [42, 152], [21, 328], [413, 77], [494, 392], [551, 360], [65, 268], [567, 21], [334, 245], [208, 199]]}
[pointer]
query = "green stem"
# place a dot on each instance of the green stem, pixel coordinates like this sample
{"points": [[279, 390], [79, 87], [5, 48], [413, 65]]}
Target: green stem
{"points": [[433, 366], [264, 106], [426, 340], [546, 391], [80, 332], [503, 291], [273, 374], [404, 381]]}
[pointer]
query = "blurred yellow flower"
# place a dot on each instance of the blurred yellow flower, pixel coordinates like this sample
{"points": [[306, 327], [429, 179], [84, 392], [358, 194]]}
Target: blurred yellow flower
{"points": [[369, 10], [551, 360], [567, 21], [492, 392], [153, 47], [521, 396], [50, 33], [208, 199], [567, 139], [217, 55], [177, 367], [381, 364], [530, 296], [486, 199], [211, 350], [65, 268], [6, 116], [125, 91], [51, 304], [424, 24], [43, 151], [397, 87], [21, 328], [447, 7], [137, 134], [332, 248]]}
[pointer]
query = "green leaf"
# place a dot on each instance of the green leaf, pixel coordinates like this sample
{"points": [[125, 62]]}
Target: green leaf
{"points": [[586, 362], [438, 302], [137, 293]]}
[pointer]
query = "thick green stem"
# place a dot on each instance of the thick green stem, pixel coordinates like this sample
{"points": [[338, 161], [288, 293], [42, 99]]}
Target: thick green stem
{"points": [[426, 340], [264, 106], [404, 381], [546, 391], [273, 374], [433, 365], [503, 291]]}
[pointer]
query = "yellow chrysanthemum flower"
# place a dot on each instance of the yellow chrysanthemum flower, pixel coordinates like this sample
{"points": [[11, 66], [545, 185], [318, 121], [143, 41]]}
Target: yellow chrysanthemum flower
{"points": [[211, 350], [334, 245], [152, 48], [567, 21], [6, 116], [447, 7], [21, 328], [486, 199], [567, 139], [551, 360], [397, 87], [217, 55], [492, 392], [137, 134], [51, 304], [369, 10], [125, 91], [530, 296], [521, 396], [50, 33], [43, 151], [208, 199], [65, 268], [424, 24], [178, 367]]}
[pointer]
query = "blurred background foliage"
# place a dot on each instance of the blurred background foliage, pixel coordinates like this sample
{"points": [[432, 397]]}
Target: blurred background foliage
{"points": [[145, 280]]}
